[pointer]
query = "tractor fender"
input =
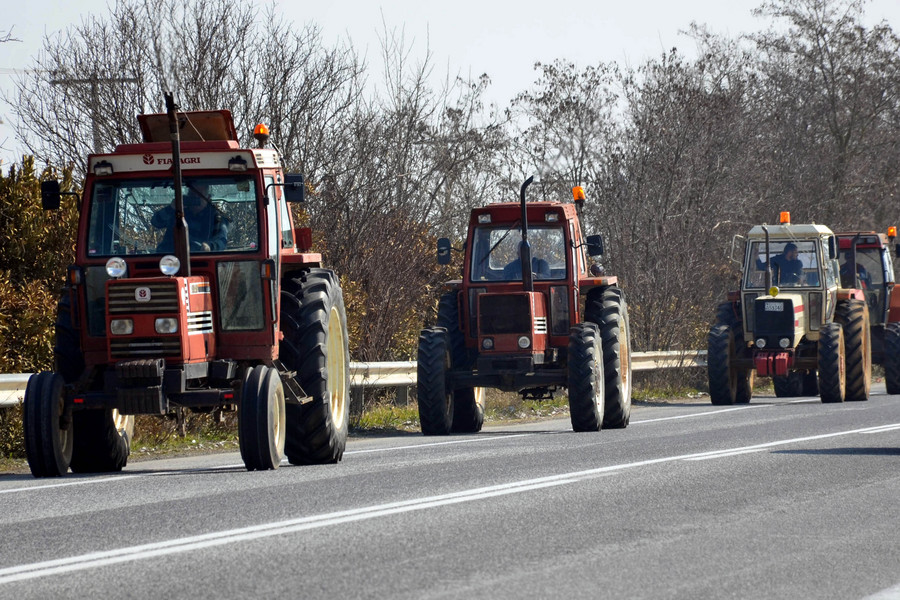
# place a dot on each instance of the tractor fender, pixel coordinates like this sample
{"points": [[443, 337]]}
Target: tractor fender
{"points": [[894, 305], [586, 284], [851, 294]]}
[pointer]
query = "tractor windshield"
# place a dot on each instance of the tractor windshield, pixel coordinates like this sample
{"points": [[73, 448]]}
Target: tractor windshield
{"points": [[793, 264], [136, 216], [495, 253]]}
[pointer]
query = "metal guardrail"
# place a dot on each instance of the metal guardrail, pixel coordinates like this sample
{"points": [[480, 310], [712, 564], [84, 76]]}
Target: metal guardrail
{"points": [[402, 374]]}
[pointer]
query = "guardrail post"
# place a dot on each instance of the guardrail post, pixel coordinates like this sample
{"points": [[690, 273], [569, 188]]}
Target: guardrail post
{"points": [[403, 395]]}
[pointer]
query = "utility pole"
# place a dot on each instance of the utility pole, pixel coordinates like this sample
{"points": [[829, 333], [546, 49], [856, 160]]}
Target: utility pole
{"points": [[94, 81]]}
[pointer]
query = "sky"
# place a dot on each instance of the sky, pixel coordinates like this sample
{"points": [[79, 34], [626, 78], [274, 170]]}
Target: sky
{"points": [[465, 37]]}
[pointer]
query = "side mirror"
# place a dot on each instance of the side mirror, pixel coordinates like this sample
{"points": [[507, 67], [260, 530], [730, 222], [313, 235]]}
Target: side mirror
{"points": [[50, 194], [832, 248], [443, 251], [594, 245], [294, 187]]}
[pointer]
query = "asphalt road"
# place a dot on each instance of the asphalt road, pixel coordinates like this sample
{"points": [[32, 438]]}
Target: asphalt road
{"points": [[782, 498]]}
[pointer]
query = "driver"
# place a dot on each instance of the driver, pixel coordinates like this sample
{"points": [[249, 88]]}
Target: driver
{"points": [[207, 226], [788, 269], [539, 266]]}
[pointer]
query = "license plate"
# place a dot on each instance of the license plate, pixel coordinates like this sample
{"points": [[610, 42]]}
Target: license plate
{"points": [[774, 307]]}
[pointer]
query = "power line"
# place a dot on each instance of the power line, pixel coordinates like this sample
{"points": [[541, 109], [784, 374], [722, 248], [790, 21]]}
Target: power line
{"points": [[94, 81]]}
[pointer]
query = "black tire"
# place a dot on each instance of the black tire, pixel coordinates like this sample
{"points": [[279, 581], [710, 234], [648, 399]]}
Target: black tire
{"points": [[832, 373], [436, 404], [48, 433], [315, 345], [727, 313], [854, 317], [719, 360], [586, 394], [261, 419], [810, 383], [788, 386], [607, 309], [102, 440], [468, 403], [67, 355], [892, 357]]}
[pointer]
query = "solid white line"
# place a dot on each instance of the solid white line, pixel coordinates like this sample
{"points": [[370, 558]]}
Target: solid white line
{"points": [[725, 454], [892, 593], [465, 441], [69, 483], [710, 413], [145, 551]]}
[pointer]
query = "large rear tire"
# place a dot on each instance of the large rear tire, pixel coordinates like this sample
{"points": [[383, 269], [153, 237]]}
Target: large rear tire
{"points": [[892, 357], [261, 419], [102, 440], [468, 403], [586, 394], [48, 433], [315, 345], [854, 317], [788, 386], [723, 381], [609, 312], [436, 405], [832, 364]]}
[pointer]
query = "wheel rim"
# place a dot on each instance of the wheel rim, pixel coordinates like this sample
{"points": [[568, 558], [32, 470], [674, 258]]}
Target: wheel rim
{"points": [[336, 368], [278, 415], [124, 424], [479, 396], [65, 446]]}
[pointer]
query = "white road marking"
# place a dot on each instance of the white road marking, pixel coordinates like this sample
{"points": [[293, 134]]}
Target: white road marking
{"points": [[892, 593], [448, 443], [264, 530], [710, 413]]}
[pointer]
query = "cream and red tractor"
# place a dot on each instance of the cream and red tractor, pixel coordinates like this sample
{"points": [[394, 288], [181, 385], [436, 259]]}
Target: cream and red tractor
{"points": [[791, 321], [158, 315], [559, 324]]}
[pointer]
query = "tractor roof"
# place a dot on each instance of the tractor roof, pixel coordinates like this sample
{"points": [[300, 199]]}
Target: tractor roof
{"points": [[790, 231], [867, 239], [509, 212]]}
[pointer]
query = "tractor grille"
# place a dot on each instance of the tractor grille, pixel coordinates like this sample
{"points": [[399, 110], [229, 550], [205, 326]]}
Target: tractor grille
{"points": [[773, 317], [163, 297], [145, 347], [499, 314]]}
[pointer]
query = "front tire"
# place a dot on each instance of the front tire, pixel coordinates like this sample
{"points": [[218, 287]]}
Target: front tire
{"points": [[854, 317], [261, 420], [586, 394], [436, 406], [315, 345], [48, 433], [102, 440], [788, 386], [892, 357], [832, 367], [609, 312], [468, 403]]}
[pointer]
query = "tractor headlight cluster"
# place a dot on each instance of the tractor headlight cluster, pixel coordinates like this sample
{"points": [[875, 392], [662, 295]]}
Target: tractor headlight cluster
{"points": [[524, 342], [121, 327], [169, 265], [784, 342], [166, 325], [761, 343], [487, 343], [116, 267]]}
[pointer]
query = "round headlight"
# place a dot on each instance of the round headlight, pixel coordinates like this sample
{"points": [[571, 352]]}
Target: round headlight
{"points": [[761, 343], [524, 342], [487, 343], [169, 265], [784, 342], [116, 267]]}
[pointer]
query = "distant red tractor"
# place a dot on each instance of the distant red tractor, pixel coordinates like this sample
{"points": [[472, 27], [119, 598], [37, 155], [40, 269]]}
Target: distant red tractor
{"points": [[870, 252], [558, 323], [191, 288]]}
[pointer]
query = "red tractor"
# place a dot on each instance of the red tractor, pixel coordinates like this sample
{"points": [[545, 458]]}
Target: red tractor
{"points": [[191, 288], [873, 273], [558, 323]]}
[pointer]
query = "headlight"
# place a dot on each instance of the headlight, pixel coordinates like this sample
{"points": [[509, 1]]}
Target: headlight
{"points": [[524, 342], [784, 342], [116, 267], [166, 325], [169, 265], [761, 343], [487, 343], [121, 327]]}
